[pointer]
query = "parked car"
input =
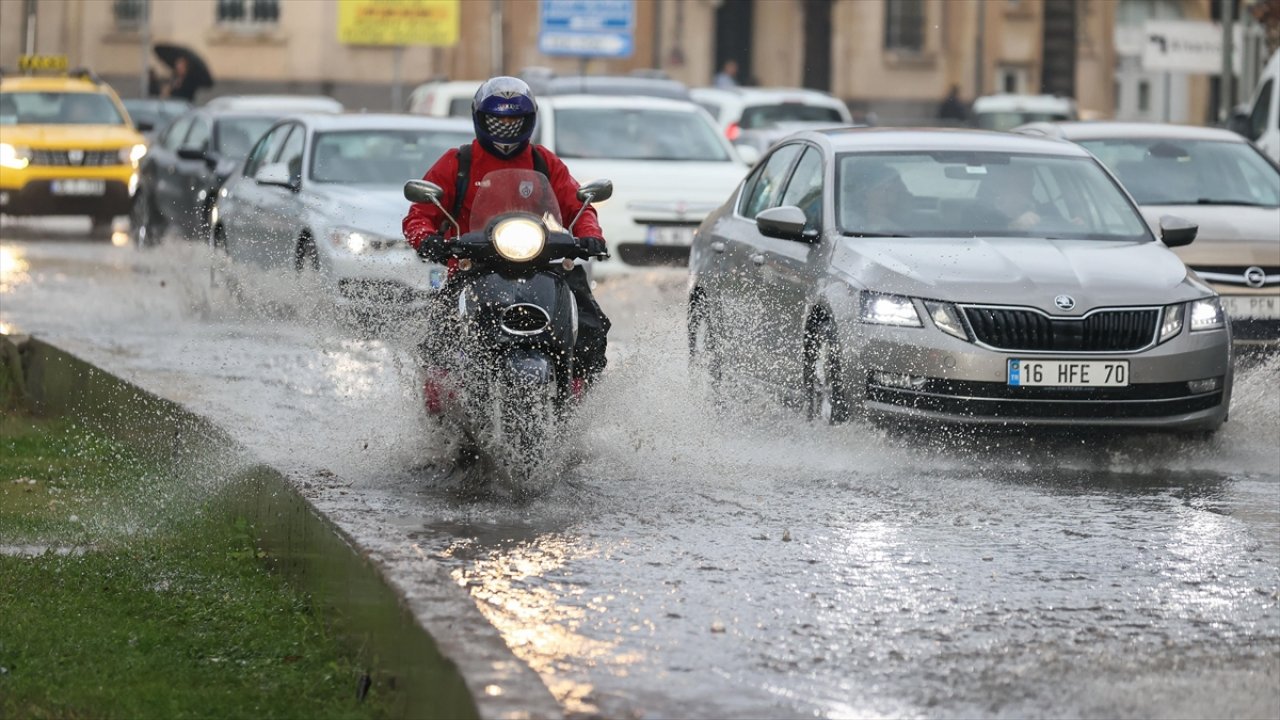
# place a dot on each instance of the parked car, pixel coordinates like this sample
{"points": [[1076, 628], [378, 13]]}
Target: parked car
{"points": [[669, 164], [187, 163], [1007, 111], [1216, 179], [151, 115], [955, 276], [1259, 119], [761, 139], [634, 85], [324, 194], [67, 147], [444, 98], [747, 108]]}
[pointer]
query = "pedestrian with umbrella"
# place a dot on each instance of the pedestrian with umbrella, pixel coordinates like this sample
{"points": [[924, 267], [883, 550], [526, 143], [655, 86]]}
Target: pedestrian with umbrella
{"points": [[189, 72]]}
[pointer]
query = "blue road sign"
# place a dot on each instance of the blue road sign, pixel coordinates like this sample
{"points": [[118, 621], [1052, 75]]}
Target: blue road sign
{"points": [[587, 28]]}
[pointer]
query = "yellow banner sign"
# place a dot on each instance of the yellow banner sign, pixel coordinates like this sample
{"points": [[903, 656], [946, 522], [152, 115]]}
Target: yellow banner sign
{"points": [[398, 22], [43, 63]]}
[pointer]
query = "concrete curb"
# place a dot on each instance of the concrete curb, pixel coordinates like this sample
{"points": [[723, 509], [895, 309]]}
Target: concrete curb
{"points": [[425, 641]]}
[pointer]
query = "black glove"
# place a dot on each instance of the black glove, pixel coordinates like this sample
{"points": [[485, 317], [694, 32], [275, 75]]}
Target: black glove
{"points": [[433, 248], [594, 246]]}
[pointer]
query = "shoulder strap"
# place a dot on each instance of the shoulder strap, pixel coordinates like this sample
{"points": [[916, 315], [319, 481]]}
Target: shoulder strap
{"points": [[462, 181], [540, 162]]}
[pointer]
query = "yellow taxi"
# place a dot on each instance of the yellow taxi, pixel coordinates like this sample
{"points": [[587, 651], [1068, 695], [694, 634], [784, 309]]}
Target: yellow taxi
{"points": [[67, 145]]}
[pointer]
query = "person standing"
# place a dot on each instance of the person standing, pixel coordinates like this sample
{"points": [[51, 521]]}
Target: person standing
{"points": [[728, 76]]}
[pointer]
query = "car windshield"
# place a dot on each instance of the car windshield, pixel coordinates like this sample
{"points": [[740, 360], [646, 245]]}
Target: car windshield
{"points": [[58, 108], [637, 134], [1005, 121], [759, 116], [982, 194], [1189, 172], [236, 135], [379, 157]]}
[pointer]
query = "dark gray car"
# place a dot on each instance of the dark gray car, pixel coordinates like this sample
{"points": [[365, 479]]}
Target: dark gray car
{"points": [[955, 276]]}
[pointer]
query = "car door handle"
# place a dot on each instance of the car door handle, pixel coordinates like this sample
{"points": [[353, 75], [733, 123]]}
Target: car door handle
{"points": [[718, 246], [758, 259]]}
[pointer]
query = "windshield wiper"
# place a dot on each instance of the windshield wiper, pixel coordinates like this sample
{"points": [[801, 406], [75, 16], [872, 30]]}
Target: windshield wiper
{"points": [[1248, 203], [859, 233]]}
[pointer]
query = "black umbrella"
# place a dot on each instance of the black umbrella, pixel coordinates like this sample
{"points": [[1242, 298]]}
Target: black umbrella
{"points": [[198, 75]]}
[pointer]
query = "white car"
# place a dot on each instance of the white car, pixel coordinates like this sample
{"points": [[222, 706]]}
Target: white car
{"points": [[323, 193], [277, 104], [1007, 111], [669, 164], [750, 108], [444, 98]]}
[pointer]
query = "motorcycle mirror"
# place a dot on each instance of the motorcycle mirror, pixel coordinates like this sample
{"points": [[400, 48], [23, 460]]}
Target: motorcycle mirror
{"points": [[421, 191], [596, 191]]}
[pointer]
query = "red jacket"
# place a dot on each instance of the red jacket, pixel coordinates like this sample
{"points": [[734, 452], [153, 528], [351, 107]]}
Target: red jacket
{"points": [[425, 219]]}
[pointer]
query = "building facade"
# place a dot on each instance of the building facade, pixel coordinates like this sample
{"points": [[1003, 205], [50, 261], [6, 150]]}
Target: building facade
{"points": [[896, 58]]}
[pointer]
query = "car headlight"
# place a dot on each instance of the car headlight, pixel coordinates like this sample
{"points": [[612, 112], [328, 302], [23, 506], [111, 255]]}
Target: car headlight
{"points": [[880, 309], [947, 319], [519, 239], [1207, 314], [1171, 322], [352, 240], [12, 156], [133, 154]]}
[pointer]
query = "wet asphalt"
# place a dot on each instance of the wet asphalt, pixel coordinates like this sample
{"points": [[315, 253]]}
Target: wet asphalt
{"points": [[689, 562]]}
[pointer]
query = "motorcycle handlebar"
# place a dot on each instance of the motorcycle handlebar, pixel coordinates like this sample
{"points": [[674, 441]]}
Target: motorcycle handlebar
{"points": [[475, 245]]}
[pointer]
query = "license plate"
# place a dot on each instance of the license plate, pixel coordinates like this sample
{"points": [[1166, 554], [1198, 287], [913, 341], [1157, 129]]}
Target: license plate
{"points": [[1069, 373], [1265, 307], [79, 187], [670, 235]]}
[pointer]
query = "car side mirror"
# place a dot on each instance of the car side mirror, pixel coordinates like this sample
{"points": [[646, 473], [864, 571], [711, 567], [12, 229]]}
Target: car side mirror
{"points": [[786, 223], [1176, 231], [191, 153], [596, 191], [423, 191], [144, 126], [1238, 122], [274, 174], [749, 154]]}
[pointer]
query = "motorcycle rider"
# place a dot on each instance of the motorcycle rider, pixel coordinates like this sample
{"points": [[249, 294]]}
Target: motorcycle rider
{"points": [[504, 114]]}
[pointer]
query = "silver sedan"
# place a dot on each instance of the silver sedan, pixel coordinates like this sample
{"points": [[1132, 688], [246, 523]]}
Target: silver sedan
{"points": [[955, 276], [322, 193]]}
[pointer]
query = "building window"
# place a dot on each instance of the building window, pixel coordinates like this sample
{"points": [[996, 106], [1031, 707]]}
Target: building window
{"points": [[129, 14], [904, 25], [1144, 96], [248, 12], [1012, 79]]}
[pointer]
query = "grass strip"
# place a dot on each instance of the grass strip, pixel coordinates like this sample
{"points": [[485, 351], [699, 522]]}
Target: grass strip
{"points": [[176, 617]]}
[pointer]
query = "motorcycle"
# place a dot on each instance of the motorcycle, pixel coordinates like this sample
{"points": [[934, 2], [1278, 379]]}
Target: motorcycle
{"points": [[504, 356]]}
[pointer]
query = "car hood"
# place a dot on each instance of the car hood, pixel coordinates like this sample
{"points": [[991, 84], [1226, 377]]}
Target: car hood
{"points": [[84, 137], [378, 210], [657, 191], [1230, 235], [1020, 271]]}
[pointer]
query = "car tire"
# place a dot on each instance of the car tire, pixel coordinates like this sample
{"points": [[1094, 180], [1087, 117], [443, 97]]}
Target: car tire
{"points": [[142, 222], [826, 395], [101, 226], [705, 366], [306, 257]]}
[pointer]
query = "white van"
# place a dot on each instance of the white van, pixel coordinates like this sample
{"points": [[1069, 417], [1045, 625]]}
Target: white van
{"points": [[1260, 120]]}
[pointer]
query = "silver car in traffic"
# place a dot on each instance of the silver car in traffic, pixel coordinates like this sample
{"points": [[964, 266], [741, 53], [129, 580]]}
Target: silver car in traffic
{"points": [[955, 275], [323, 194]]}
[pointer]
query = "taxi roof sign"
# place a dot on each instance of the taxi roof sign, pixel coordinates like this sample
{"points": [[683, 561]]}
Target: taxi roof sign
{"points": [[43, 63]]}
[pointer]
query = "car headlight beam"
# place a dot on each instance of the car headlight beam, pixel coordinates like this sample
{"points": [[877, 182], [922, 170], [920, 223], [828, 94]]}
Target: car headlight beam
{"points": [[945, 317], [880, 309], [1171, 322], [519, 239], [14, 157], [1207, 314], [352, 240], [133, 154]]}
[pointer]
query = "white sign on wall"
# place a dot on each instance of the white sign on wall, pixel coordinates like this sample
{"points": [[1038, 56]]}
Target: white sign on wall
{"points": [[1188, 46]]}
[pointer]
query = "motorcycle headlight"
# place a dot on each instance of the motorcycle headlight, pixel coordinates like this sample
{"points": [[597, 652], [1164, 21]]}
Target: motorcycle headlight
{"points": [[1207, 314], [12, 156], [133, 154], [519, 239], [1171, 324], [879, 309], [944, 316]]}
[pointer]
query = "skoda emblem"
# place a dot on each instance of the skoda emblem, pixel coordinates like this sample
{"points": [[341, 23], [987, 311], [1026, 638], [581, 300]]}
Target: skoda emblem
{"points": [[1255, 277], [1064, 302], [75, 157], [526, 188]]}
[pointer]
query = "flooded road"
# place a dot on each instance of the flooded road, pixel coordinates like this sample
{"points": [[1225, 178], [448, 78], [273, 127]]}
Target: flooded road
{"points": [[699, 564]]}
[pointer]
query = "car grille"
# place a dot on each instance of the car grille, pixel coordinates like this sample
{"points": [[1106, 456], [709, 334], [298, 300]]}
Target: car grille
{"points": [[971, 399], [60, 158], [1030, 330]]}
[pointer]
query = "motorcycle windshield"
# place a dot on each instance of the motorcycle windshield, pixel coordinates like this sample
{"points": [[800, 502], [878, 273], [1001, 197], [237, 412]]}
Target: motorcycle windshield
{"points": [[514, 190]]}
